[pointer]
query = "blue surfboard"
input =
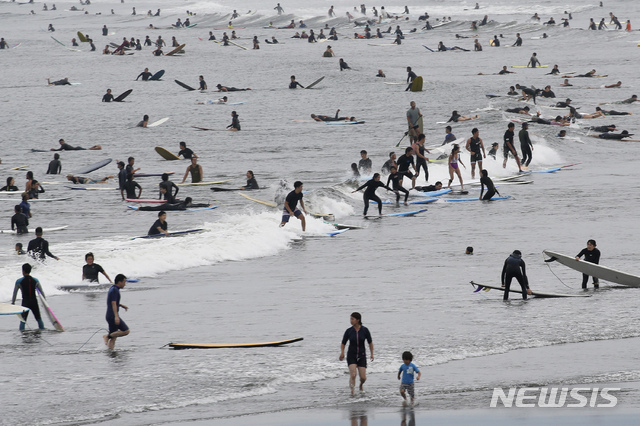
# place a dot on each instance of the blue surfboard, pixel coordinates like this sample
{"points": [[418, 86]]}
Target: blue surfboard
{"points": [[397, 214], [157, 75], [476, 199], [555, 169], [172, 234]]}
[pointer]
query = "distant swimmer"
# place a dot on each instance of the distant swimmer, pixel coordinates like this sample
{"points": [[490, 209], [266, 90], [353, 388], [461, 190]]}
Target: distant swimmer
{"points": [[91, 270], [55, 166], [158, 51], [38, 248], [592, 25], [386, 167], [222, 88], [504, 70], [294, 84], [454, 160], [613, 136], [83, 180], [566, 83], [343, 65], [608, 128], [290, 206], [144, 122], [585, 75], [508, 147], [554, 71], [19, 249], [145, 75], [455, 117], [546, 92], [592, 255], [632, 99], [196, 171], [512, 91], [614, 85], [364, 165], [495, 42], [573, 113], [108, 97], [235, 122], [370, 192], [10, 186], [203, 84], [485, 181], [534, 62], [612, 112], [252, 183], [106, 50], [518, 41], [29, 288], [117, 326], [185, 152], [19, 221], [66, 147], [166, 188], [279, 9], [328, 53], [50, 28], [381, 74], [477, 46], [494, 150], [514, 267], [474, 146], [525, 110], [160, 226], [63, 82], [334, 118]]}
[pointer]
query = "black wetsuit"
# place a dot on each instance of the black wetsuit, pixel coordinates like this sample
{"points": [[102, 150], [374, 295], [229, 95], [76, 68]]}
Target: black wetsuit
{"points": [[169, 186], [157, 224], [525, 146], [370, 194], [108, 97], [562, 105], [130, 188], [67, 147], [592, 256], [610, 128], [491, 189], [404, 161], [410, 77], [547, 94], [252, 184], [514, 110], [529, 92], [295, 84], [514, 267], [396, 179], [386, 167], [55, 166], [182, 205], [235, 123], [19, 222], [614, 136], [9, 189], [203, 85], [612, 112], [422, 163], [428, 188], [344, 66], [508, 140], [356, 353], [61, 83], [474, 147], [90, 272], [38, 248], [28, 289], [145, 75], [186, 153], [365, 165]]}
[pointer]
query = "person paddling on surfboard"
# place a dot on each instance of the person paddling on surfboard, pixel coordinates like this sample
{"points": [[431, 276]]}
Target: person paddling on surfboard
{"points": [[514, 267], [117, 327], [66, 147], [29, 287]]}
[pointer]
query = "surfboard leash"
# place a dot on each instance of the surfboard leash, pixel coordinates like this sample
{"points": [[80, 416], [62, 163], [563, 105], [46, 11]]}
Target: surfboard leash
{"points": [[97, 331], [554, 274]]}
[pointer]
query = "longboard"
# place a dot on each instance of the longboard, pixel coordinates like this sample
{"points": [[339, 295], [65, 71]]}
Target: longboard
{"points": [[342, 123], [39, 199], [52, 317], [476, 199], [186, 86], [238, 45], [266, 203], [157, 76], [121, 97], [81, 37], [416, 86], [173, 234], [176, 50], [166, 154], [232, 345], [9, 309], [314, 83], [93, 167], [138, 200], [525, 66], [432, 193], [159, 122], [541, 294], [142, 175], [596, 270], [59, 228], [397, 214], [203, 183], [428, 200], [92, 286]]}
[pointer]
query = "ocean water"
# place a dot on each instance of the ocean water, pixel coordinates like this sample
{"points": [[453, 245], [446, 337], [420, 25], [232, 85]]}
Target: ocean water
{"points": [[246, 279]]}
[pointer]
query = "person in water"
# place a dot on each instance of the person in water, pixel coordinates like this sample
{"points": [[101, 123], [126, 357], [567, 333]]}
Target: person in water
{"points": [[19, 221], [235, 122], [196, 171], [396, 179], [514, 267], [63, 82], [509, 147], [343, 65], [454, 160], [290, 206], [117, 327], [173, 205], [145, 75], [222, 88], [185, 152], [29, 288], [55, 166], [144, 122], [294, 84], [10, 186], [329, 118], [160, 226], [252, 183], [78, 180], [474, 145], [370, 193], [455, 117], [591, 254], [168, 187], [357, 335], [485, 180], [91, 270], [38, 248], [66, 147]]}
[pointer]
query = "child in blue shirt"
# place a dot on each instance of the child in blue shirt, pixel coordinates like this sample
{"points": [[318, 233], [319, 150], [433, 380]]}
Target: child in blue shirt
{"points": [[408, 370]]}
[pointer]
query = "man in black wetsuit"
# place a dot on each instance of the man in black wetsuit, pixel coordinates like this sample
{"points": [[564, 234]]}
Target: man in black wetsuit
{"points": [[252, 183], [591, 254], [55, 166], [168, 186], [364, 165], [612, 112], [38, 248], [410, 77], [62, 82], [66, 147], [290, 206], [564, 104], [91, 270], [485, 180], [370, 192], [294, 84], [29, 287], [614, 136], [518, 110], [474, 146], [386, 167], [525, 145], [145, 74], [108, 97], [185, 152], [514, 267], [203, 84], [430, 188], [19, 221], [130, 187], [404, 162], [518, 42], [396, 179], [160, 226], [508, 147]]}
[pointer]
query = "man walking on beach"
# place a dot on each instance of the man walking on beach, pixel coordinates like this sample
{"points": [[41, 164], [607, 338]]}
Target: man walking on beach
{"points": [[117, 327]]}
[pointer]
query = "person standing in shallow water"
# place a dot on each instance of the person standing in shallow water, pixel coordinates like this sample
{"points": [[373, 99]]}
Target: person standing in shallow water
{"points": [[356, 335], [117, 327]]}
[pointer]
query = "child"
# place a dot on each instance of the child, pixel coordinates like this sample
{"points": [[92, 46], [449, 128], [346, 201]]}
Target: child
{"points": [[408, 369]]}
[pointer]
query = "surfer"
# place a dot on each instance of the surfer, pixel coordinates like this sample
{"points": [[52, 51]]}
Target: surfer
{"points": [[504, 70], [185, 152], [421, 160], [10, 186], [396, 179], [410, 77], [19, 250], [38, 248], [430, 188], [108, 97], [455, 117], [66, 147], [91, 270], [83, 180], [19, 221], [343, 65], [514, 267], [329, 118], [518, 42], [592, 255], [413, 117], [509, 147], [404, 162], [485, 180], [524, 110], [526, 146], [290, 206], [145, 75], [222, 88], [613, 136], [235, 122], [173, 205], [364, 165], [279, 9], [527, 93], [168, 187], [386, 167], [512, 91], [29, 288], [612, 112], [566, 83], [55, 166], [203, 84], [356, 335], [370, 192], [160, 226], [196, 171], [25, 207], [117, 327], [294, 84], [130, 187], [449, 136], [381, 74], [454, 159], [251, 182], [474, 145], [144, 122], [63, 82], [534, 62], [494, 150]]}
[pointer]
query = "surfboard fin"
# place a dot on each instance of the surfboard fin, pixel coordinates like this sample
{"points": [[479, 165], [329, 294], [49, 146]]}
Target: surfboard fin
{"points": [[551, 259]]}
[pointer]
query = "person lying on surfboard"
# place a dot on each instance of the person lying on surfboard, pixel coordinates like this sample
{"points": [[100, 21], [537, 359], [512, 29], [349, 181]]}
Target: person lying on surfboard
{"points": [[62, 82], [329, 118], [222, 88], [83, 180], [66, 147]]}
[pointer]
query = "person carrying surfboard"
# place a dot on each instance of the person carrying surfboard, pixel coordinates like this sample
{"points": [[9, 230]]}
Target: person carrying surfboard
{"points": [[117, 327], [514, 267], [29, 287], [591, 254]]}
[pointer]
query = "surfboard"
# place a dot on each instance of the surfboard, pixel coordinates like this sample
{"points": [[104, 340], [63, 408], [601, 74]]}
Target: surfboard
{"points": [[203, 183], [266, 203], [595, 270], [159, 122], [121, 97], [20, 167], [416, 86], [314, 83], [138, 200], [342, 123], [325, 234], [239, 45], [157, 76], [476, 199], [397, 214], [52, 317], [186, 86], [344, 226], [82, 188], [555, 169], [39, 199], [539, 294], [59, 228], [233, 345], [394, 84], [173, 234], [176, 50], [428, 200], [226, 189], [90, 286], [93, 167], [432, 193], [81, 37], [428, 48], [525, 66], [9, 309], [197, 209], [166, 154], [141, 175]]}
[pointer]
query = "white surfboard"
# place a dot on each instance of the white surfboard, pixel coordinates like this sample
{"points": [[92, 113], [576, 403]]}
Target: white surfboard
{"points": [[159, 122], [9, 309], [58, 228], [52, 317], [515, 288], [595, 270]]}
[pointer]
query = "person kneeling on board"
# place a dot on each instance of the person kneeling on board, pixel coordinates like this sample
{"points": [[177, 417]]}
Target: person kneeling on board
{"points": [[514, 267]]}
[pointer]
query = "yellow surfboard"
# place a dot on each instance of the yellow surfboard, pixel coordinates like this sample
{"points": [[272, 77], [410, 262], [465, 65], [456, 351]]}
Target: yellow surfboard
{"points": [[266, 203], [166, 154]]}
